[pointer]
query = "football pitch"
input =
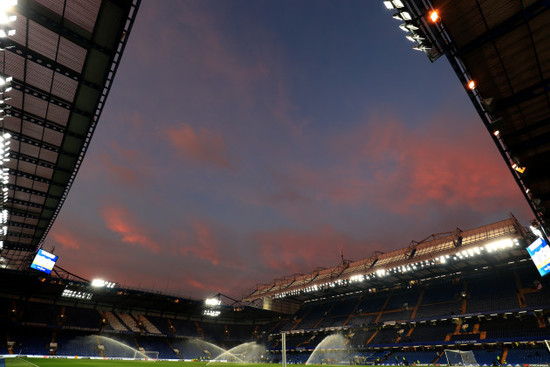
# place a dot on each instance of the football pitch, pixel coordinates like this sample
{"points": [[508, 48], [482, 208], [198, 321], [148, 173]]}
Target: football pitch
{"points": [[54, 362]]}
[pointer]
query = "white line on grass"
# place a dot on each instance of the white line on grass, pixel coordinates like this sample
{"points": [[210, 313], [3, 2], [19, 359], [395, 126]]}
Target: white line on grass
{"points": [[24, 360]]}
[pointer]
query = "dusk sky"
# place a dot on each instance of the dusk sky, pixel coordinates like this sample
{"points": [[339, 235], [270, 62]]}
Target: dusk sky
{"points": [[246, 140]]}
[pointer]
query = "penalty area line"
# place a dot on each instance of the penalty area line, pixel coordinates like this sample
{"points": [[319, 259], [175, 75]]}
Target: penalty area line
{"points": [[24, 360]]}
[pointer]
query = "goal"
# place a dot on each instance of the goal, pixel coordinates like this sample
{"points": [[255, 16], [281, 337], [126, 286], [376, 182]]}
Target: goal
{"points": [[460, 358], [146, 355]]}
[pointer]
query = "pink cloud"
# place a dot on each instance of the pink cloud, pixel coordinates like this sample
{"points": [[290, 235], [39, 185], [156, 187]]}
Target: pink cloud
{"points": [[65, 239], [201, 242], [202, 145], [120, 221], [400, 169], [122, 173], [435, 165], [297, 251]]}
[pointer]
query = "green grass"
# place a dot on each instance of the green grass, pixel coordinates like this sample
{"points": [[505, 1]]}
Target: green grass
{"points": [[54, 362], [47, 362]]}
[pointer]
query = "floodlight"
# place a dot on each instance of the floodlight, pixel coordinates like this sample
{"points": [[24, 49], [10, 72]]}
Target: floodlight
{"points": [[421, 47], [398, 4], [213, 313], [472, 84], [414, 37], [5, 18], [434, 16], [537, 232], [5, 79], [212, 302], [499, 244], [496, 133], [394, 4], [100, 283], [518, 168], [407, 27], [7, 4], [402, 15]]}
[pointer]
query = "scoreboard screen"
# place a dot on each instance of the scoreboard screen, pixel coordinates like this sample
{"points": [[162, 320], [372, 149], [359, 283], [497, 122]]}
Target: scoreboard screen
{"points": [[540, 254], [44, 261]]}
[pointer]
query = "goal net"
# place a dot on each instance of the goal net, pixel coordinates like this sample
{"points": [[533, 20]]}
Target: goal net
{"points": [[460, 358], [146, 355]]}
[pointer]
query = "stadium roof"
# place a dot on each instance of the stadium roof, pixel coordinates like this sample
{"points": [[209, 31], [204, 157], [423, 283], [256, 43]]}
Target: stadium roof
{"points": [[63, 59], [438, 255], [39, 288], [503, 47]]}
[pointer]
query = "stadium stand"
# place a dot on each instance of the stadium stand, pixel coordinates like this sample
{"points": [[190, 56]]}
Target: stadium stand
{"points": [[495, 307]]}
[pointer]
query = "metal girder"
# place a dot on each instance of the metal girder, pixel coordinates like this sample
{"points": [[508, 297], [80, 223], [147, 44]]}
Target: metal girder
{"points": [[30, 176], [526, 129], [39, 162], [20, 235], [23, 214], [15, 135], [31, 191], [531, 143], [39, 93], [516, 20], [13, 223], [40, 121], [17, 246], [38, 13], [526, 94], [28, 203], [48, 63]]}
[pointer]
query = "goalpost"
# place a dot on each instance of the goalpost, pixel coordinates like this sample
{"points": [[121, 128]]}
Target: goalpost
{"points": [[460, 358], [146, 355]]}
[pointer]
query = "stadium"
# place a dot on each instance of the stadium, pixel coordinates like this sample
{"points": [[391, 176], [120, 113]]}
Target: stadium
{"points": [[474, 296]]}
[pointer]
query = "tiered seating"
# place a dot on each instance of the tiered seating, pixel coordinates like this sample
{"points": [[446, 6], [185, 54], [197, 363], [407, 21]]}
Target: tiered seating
{"points": [[31, 341], [162, 324], [431, 333], [424, 357], [82, 318], [114, 322], [74, 343], [514, 328], [314, 315], [185, 328], [40, 314], [148, 325], [128, 321], [528, 356], [492, 293], [157, 345], [440, 299], [487, 357]]}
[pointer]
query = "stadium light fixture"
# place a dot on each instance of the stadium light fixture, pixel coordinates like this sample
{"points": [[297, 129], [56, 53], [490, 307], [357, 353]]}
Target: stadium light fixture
{"points": [[394, 4], [211, 313], [414, 37], [518, 168], [537, 232], [402, 15], [499, 244], [421, 47], [6, 5], [408, 27], [214, 301], [100, 283], [434, 16]]}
